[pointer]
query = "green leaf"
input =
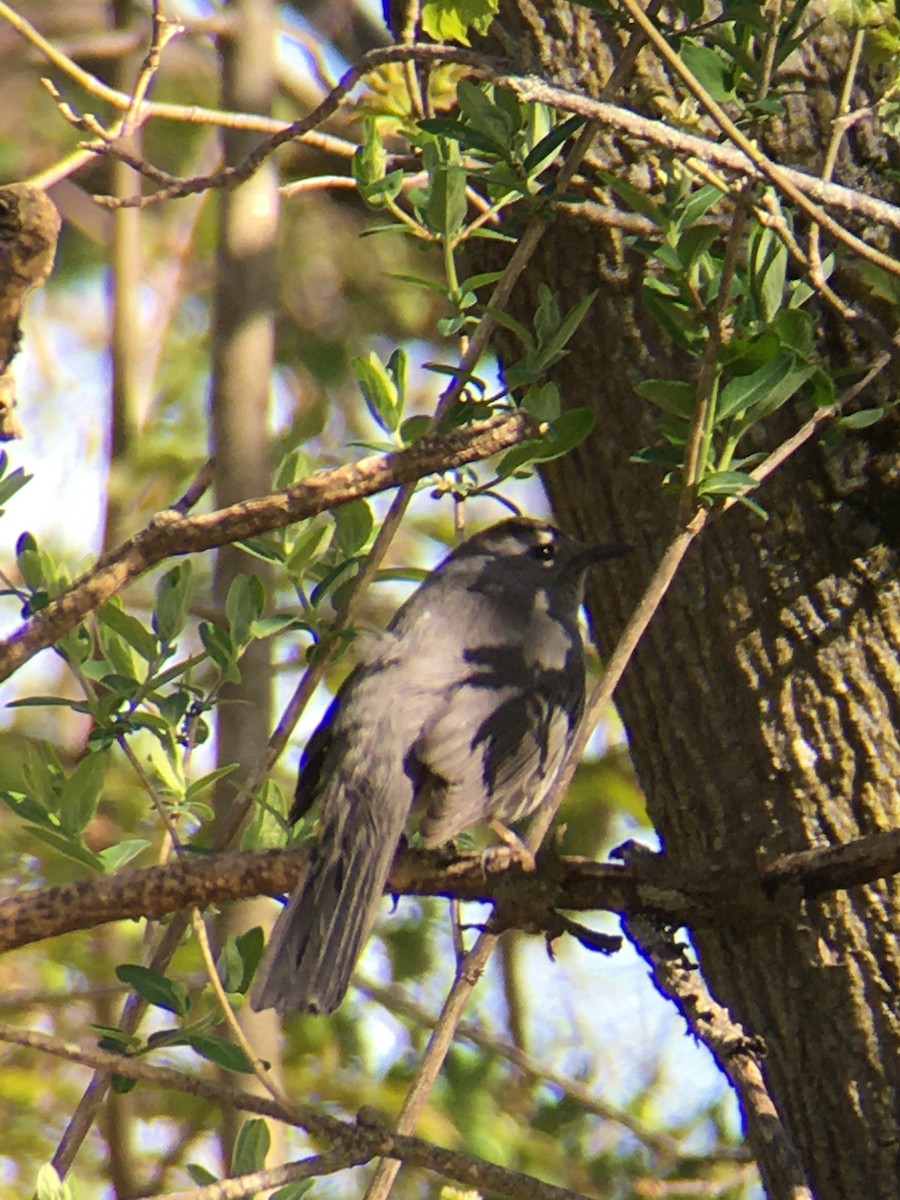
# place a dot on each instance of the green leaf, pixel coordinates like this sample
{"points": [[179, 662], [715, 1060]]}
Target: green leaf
{"points": [[726, 483], [243, 606], [398, 369], [671, 395], [682, 327], [219, 647], [293, 1191], [740, 393], [862, 419], [569, 430], [68, 846], [768, 262], [155, 988], [117, 856], [205, 782], [239, 959], [447, 205], [29, 809], [129, 629], [12, 483], [698, 205], [634, 198], [379, 391], [694, 242], [451, 20], [354, 524], [414, 428], [305, 546], [543, 153], [173, 597], [81, 793], [659, 456], [543, 402], [200, 1175], [251, 1147], [779, 394], [368, 163], [223, 1054], [709, 68]]}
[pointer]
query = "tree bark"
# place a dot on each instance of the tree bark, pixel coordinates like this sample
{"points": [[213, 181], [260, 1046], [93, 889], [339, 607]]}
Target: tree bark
{"points": [[762, 705]]}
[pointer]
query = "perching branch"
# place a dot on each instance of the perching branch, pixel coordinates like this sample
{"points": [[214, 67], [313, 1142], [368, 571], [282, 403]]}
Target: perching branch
{"points": [[170, 533], [528, 900]]}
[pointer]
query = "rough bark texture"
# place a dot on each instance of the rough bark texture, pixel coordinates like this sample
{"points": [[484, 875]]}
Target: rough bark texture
{"points": [[762, 705]]}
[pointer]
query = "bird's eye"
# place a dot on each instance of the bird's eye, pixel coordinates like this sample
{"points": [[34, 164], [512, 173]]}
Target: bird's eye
{"points": [[545, 551]]}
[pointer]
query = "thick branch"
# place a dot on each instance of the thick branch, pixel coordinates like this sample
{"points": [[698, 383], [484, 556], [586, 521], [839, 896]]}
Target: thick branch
{"points": [[170, 532], [528, 899]]}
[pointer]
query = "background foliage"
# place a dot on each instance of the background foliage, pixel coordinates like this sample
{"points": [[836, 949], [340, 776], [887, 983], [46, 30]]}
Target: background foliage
{"points": [[569, 1072]]}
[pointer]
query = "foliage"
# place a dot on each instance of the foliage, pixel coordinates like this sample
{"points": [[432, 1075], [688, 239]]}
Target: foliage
{"points": [[125, 712]]}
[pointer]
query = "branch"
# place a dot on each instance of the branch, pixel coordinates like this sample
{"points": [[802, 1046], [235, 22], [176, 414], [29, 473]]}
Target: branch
{"points": [[231, 176], [363, 1141], [171, 533], [721, 154], [526, 899], [738, 1055]]}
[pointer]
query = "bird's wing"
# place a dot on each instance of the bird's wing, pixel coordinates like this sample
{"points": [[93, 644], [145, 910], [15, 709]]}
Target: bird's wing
{"points": [[494, 748]]}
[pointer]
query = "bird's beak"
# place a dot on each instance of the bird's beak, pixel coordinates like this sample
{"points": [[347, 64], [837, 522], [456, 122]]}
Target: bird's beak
{"points": [[590, 554]]}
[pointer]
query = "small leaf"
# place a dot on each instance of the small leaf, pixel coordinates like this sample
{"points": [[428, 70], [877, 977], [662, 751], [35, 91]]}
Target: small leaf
{"points": [[49, 1186], [671, 395], [451, 20], [243, 606], [543, 402], [379, 391], [81, 793], [173, 598], [634, 198], [354, 524], [293, 1191], [251, 1147], [224, 1054], [447, 205], [221, 650], [68, 846], [155, 988], [726, 483], [569, 430], [739, 393], [11, 484], [542, 154], [862, 419], [200, 1175], [117, 856], [129, 629], [709, 69]]}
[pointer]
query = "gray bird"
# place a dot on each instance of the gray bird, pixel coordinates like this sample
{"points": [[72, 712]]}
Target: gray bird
{"points": [[462, 713]]}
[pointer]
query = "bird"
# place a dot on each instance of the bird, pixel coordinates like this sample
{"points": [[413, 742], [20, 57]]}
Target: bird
{"points": [[460, 713]]}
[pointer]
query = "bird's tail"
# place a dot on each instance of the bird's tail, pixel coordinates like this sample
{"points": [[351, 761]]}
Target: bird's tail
{"points": [[320, 933]]}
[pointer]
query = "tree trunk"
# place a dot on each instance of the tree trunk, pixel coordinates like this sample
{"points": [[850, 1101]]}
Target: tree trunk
{"points": [[762, 705]]}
